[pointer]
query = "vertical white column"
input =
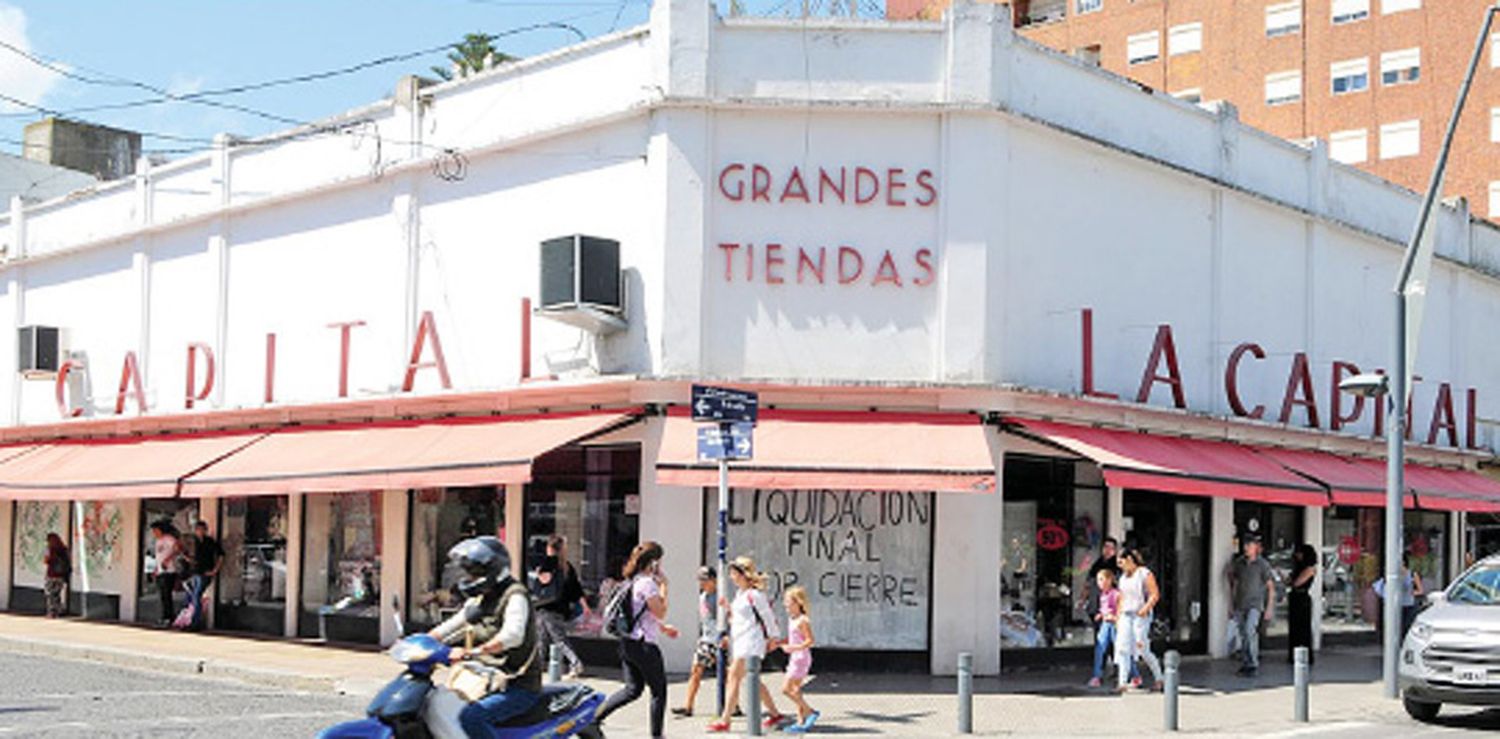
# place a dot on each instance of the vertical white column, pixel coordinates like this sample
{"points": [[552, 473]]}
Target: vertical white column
{"points": [[7, 536], [130, 544], [1221, 533], [965, 574], [218, 249], [295, 504], [515, 526], [673, 517], [394, 526], [1312, 533], [16, 293], [1114, 513]]}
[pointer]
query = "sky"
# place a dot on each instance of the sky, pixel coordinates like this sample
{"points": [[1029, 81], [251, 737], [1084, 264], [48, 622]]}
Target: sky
{"points": [[191, 46]]}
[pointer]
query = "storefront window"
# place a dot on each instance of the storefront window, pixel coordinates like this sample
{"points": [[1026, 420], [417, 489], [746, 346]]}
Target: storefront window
{"points": [[252, 581], [341, 570], [182, 514], [440, 519], [1052, 533], [34, 519], [1353, 545], [1280, 530], [1484, 536], [591, 495], [1425, 537]]}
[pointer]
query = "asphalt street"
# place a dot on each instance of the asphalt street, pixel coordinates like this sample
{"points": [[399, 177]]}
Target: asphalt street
{"points": [[64, 698]]}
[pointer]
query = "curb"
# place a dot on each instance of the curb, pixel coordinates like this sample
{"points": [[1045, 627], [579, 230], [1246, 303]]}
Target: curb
{"points": [[177, 665]]}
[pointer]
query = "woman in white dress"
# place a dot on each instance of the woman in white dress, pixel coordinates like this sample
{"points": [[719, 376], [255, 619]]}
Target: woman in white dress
{"points": [[753, 630], [1139, 595]]}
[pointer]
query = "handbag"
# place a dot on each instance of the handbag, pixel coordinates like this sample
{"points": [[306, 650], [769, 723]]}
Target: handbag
{"points": [[473, 681]]}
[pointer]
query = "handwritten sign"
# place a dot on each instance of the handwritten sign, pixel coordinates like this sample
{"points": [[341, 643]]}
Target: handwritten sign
{"points": [[863, 556]]}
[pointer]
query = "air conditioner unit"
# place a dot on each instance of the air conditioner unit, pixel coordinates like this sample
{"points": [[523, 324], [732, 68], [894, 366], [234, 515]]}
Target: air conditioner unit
{"points": [[580, 283], [38, 351]]}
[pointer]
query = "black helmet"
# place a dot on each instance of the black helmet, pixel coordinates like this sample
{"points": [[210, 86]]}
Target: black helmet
{"points": [[484, 561]]}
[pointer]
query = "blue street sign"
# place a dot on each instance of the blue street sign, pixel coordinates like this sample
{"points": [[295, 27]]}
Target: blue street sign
{"points": [[726, 441], [723, 404]]}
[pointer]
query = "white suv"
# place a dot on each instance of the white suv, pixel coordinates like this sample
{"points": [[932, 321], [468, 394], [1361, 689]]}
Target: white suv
{"points": [[1452, 653]]}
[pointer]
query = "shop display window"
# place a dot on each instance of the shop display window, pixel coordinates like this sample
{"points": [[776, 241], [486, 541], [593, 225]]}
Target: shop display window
{"points": [[182, 513], [1353, 542], [253, 579], [442, 517], [1052, 531], [1425, 538], [341, 566], [591, 495]]}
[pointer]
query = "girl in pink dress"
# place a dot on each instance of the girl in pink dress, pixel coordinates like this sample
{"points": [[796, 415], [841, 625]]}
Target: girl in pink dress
{"points": [[799, 650]]}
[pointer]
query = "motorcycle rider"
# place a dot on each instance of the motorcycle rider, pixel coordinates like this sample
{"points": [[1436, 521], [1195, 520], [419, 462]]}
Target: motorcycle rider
{"points": [[499, 613]]}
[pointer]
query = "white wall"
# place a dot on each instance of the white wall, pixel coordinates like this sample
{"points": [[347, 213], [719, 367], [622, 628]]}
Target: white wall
{"points": [[673, 517], [965, 581]]}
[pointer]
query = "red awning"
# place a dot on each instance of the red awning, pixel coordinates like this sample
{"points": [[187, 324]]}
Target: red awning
{"points": [[1351, 481], [1132, 459], [450, 452], [1442, 489], [837, 450], [104, 469]]}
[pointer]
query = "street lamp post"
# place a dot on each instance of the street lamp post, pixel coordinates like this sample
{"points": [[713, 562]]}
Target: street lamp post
{"points": [[1414, 290]]}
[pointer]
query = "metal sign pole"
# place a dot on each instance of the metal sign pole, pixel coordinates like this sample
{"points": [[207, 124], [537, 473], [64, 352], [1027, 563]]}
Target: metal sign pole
{"points": [[723, 585]]}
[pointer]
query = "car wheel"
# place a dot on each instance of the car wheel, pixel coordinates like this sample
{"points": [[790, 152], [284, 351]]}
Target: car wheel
{"points": [[1421, 710]]}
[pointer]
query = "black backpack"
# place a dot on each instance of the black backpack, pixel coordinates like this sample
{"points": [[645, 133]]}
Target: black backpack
{"points": [[619, 617]]}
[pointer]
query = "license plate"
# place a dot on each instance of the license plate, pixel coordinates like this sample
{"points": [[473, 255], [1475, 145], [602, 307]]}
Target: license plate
{"points": [[1470, 675]]}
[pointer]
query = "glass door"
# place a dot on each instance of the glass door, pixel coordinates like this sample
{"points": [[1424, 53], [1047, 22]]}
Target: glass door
{"points": [[1172, 534], [252, 581]]}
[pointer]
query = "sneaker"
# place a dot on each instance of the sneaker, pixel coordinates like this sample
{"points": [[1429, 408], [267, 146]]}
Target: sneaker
{"points": [[682, 712], [794, 729], [718, 727], [812, 718], [774, 720], [1094, 682]]}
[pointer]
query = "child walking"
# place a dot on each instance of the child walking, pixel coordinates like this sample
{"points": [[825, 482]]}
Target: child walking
{"points": [[799, 650], [706, 654], [1108, 618]]}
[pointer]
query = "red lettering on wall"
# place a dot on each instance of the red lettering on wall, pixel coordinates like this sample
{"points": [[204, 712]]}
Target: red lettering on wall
{"points": [[795, 188], [130, 379], [826, 183], [1162, 347], [804, 262], [344, 330], [861, 177], [1471, 419], [1232, 380], [64, 408], [738, 192], [924, 183], [774, 260], [1088, 358], [924, 263], [194, 393], [845, 276], [270, 368], [1336, 420], [1443, 418], [426, 328], [749, 263], [887, 271], [1299, 391], [728, 250], [895, 181], [760, 184]]}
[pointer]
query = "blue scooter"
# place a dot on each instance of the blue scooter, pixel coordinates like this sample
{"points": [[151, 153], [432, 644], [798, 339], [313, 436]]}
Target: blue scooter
{"points": [[412, 707]]}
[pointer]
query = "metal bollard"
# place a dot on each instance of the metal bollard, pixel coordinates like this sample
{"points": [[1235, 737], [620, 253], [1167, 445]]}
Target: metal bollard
{"points": [[752, 690], [1300, 680], [1169, 692], [965, 693], [554, 663]]}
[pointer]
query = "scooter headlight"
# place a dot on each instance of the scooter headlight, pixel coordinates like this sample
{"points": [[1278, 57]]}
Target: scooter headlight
{"points": [[407, 652]]}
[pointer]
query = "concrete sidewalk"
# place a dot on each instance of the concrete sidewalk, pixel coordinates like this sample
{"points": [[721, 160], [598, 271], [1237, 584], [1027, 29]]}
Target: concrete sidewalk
{"points": [[1054, 702]]}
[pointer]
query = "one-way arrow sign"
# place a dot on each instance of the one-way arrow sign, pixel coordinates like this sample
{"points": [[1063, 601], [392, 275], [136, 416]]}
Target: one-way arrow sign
{"points": [[726, 441], [720, 404]]}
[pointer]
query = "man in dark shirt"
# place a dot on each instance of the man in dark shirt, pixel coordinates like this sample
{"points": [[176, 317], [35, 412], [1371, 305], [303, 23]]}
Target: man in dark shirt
{"points": [[556, 592], [208, 557]]}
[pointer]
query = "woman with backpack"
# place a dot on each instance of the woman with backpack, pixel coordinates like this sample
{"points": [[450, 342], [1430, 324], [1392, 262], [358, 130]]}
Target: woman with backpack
{"points": [[640, 657], [753, 631]]}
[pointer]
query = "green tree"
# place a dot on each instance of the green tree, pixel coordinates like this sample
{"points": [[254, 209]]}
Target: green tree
{"points": [[475, 53]]}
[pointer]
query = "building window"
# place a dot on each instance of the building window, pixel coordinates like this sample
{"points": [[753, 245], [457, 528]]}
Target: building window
{"points": [[341, 566], [1283, 87], [1185, 39], [252, 583], [180, 514], [1088, 6], [1495, 199], [1283, 20], [1143, 47], [1400, 67], [441, 518], [1349, 147], [1194, 95], [1052, 528], [1350, 76], [1349, 11], [1396, 6], [1402, 139], [1351, 565]]}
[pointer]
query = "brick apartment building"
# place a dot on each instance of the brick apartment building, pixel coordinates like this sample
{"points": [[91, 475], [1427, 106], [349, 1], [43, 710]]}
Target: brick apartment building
{"points": [[1374, 78]]}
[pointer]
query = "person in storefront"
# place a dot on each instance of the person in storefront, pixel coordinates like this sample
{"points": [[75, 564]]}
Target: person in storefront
{"points": [[208, 557], [558, 597], [1253, 597], [1139, 594], [59, 564], [753, 630], [1411, 591], [1107, 561], [171, 561], [1106, 620], [639, 655], [1299, 601], [499, 620]]}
